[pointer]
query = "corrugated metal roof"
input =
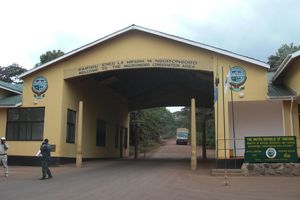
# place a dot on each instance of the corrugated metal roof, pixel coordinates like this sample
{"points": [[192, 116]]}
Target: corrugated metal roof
{"points": [[150, 31], [11, 102], [279, 91], [12, 87]]}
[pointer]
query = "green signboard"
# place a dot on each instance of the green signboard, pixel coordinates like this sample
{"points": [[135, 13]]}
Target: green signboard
{"points": [[275, 149]]}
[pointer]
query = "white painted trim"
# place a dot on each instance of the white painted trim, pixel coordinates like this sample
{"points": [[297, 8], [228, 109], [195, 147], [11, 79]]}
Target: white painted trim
{"points": [[292, 117], [11, 90], [14, 106], [135, 27], [281, 98]]}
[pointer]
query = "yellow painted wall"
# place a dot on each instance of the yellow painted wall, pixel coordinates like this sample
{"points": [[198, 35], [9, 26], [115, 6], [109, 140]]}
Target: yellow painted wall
{"points": [[98, 103], [137, 45], [294, 118], [3, 112], [52, 103]]}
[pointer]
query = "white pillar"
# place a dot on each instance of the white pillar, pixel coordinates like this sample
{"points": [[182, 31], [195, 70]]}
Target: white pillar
{"points": [[193, 135], [79, 136]]}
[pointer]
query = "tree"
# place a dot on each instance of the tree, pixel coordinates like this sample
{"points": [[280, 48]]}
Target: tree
{"points": [[9, 74], [275, 60], [49, 55]]}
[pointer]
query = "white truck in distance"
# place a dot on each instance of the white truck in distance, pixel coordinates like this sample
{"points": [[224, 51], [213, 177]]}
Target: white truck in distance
{"points": [[182, 136]]}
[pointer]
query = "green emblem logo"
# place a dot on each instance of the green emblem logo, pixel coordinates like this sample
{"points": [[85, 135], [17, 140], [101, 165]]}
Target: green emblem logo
{"points": [[39, 87], [237, 78], [271, 153]]}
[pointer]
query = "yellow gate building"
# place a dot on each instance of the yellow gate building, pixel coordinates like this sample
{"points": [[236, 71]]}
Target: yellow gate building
{"points": [[81, 100]]}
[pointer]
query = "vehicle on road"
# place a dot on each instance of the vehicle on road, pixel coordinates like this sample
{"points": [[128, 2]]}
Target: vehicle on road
{"points": [[182, 136]]}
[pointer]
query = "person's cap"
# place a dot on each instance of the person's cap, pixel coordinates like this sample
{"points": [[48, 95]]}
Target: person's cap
{"points": [[3, 138]]}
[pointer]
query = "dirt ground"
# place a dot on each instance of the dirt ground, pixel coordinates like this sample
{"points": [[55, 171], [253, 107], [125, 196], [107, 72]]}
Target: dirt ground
{"points": [[163, 174]]}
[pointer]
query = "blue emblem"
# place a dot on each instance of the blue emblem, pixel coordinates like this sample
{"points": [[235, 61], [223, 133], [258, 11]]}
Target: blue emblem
{"points": [[237, 78], [39, 87]]}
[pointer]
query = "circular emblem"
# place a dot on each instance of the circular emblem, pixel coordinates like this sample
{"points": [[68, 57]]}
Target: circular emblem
{"points": [[39, 85], [271, 153], [237, 76]]}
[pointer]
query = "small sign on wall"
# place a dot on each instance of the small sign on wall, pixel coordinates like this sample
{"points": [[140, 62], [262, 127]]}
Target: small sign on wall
{"points": [[273, 149]]}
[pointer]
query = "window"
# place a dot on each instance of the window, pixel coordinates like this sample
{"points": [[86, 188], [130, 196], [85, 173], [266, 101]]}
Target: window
{"points": [[25, 124], [101, 133], [117, 137], [71, 121]]}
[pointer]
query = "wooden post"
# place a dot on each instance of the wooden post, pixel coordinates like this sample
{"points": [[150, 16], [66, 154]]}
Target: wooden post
{"points": [[79, 136], [193, 135]]}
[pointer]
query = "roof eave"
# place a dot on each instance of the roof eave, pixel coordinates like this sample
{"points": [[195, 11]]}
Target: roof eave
{"points": [[282, 97], [11, 106], [11, 90]]}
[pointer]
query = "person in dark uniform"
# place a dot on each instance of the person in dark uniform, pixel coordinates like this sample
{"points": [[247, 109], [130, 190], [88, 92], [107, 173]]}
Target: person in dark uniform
{"points": [[45, 151], [3, 155]]}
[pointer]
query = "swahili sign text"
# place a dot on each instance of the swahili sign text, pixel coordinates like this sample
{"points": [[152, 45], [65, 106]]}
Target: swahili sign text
{"points": [[270, 149], [137, 63]]}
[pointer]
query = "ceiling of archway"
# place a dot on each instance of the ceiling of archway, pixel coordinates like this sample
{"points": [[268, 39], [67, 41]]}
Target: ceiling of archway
{"points": [[146, 88]]}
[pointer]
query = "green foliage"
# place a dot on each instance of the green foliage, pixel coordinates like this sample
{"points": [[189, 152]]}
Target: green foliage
{"points": [[9, 74], [150, 125], [182, 118], [49, 55], [275, 60]]}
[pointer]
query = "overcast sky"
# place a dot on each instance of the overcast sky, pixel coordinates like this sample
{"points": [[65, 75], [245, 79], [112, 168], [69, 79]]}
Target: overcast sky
{"points": [[255, 28]]}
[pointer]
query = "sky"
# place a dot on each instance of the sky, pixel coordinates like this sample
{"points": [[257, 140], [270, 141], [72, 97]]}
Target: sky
{"points": [[254, 28]]}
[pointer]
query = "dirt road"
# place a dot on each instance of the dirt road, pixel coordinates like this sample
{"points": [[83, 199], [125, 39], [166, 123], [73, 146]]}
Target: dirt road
{"points": [[169, 150], [143, 179]]}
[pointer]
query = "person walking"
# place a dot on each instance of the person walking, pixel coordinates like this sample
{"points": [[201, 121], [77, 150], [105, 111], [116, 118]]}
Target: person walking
{"points": [[3, 155], [46, 156]]}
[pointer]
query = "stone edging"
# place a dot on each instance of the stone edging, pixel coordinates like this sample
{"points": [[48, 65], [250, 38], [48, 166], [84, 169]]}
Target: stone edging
{"points": [[273, 169]]}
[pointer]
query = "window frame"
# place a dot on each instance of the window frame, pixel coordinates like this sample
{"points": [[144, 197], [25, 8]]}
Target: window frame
{"points": [[29, 123], [101, 133], [125, 135], [117, 141], [70, 137]]}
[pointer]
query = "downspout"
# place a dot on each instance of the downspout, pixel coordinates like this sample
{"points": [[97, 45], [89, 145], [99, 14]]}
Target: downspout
{"points": [[291, 117]]}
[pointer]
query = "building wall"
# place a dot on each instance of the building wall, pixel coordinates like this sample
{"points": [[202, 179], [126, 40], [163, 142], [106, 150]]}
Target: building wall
{"points": [[53, 107], [292, 80], [138, 45], [260, 118], [255, 90], [98, 103]]}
